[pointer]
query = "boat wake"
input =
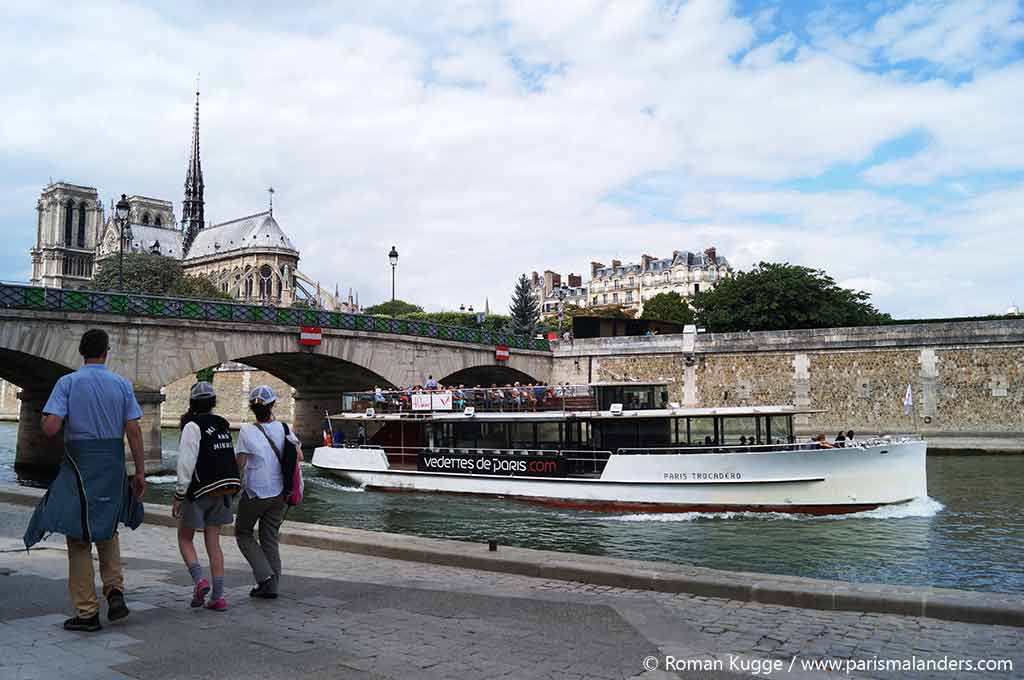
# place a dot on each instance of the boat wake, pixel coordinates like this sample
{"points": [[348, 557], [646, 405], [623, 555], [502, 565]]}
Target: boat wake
{"points": [[918, 507], [326, 483]]}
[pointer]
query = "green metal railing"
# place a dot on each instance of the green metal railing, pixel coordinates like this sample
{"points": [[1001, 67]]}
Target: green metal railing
{"points": [[17, 296]]}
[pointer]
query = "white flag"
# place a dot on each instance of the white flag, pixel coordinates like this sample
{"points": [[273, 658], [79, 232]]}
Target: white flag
{"points": [[908, 401]]}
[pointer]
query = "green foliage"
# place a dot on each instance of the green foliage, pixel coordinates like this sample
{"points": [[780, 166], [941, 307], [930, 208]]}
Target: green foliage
{"points": [[205, 374], [775, 296], [525, 310], [153, 275], [610, 312], [396, 308], [492, 322], [668, 307]]}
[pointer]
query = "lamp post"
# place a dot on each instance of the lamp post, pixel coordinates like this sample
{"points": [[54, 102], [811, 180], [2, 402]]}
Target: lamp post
{"points": [[393, 258], [122, 210]]}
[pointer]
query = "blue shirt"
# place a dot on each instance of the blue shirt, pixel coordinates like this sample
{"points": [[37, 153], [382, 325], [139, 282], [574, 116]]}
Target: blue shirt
{"points": [[94, 403]]}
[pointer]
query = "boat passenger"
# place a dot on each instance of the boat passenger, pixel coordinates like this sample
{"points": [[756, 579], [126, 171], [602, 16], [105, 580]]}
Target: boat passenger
{"points": [[431, 384], [849, 437], [822, 442], [840, 439]]}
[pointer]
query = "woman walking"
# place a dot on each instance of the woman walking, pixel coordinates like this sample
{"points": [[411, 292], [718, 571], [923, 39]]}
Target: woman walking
{"points": [[207, 479], [261, 448]]}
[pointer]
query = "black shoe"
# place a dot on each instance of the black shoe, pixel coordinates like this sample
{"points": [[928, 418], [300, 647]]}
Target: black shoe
{"points": [[116, 608], [264, 589], [89, 624]]}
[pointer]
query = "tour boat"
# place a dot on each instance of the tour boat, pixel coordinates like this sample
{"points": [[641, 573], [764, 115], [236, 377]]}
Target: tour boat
{"points": [[612, 447]]}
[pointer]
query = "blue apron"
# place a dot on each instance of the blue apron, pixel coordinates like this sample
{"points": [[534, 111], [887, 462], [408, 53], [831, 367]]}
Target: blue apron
{"points": [[89, 497]]}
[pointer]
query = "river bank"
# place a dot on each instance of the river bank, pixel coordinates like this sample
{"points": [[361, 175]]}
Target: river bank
{"points": [[967, 535]]}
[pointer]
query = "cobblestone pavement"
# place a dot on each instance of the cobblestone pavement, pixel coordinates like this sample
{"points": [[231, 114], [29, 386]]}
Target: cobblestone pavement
{"points": [[352, 616]]}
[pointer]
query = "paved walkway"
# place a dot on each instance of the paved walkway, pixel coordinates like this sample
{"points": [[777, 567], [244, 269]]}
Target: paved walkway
{"points": [[352, 616]]}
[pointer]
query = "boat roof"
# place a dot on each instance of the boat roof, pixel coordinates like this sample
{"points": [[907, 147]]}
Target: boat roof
{"points": [[557, 416]]}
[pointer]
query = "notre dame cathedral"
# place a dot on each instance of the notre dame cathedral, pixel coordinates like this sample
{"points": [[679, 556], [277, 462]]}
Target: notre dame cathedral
{"points": [[250, 258]]}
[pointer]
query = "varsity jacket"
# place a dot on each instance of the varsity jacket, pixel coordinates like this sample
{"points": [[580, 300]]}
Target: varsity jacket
{"points": [[206, 459]]}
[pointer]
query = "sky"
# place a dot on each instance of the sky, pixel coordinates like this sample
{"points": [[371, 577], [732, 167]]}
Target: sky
{"points": [[881, 141]]}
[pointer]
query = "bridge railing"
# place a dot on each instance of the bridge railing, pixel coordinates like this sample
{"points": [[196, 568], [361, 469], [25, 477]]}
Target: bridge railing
{"points": [[19, 296]]}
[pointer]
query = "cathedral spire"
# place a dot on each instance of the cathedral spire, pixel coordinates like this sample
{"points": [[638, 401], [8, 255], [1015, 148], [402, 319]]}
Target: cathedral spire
{"points": [[192, 207]]}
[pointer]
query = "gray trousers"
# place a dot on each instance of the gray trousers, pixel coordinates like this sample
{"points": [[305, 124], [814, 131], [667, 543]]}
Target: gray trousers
{"points": [[263, 556]]}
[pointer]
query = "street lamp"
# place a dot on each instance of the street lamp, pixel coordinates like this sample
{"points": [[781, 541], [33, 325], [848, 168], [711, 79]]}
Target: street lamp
{"points": [[122, 210], [393, 257]]}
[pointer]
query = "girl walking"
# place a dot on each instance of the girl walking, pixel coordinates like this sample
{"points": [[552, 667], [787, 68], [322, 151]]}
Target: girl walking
{"points": [[264, 447], [207, 479]]}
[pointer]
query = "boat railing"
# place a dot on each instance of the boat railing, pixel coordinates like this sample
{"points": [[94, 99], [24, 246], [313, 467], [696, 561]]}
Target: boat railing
{"points": [[497, 399], [811, 445]]}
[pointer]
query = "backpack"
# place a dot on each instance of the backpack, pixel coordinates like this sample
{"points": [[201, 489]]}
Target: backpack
{"points": [[291, 472]]}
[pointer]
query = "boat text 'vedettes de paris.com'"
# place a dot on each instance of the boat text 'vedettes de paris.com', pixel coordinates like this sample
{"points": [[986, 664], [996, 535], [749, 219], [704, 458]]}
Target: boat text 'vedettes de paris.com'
{"points": [[613, 447]]}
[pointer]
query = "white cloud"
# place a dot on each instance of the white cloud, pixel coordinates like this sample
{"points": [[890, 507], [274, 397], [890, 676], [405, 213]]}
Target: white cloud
{"points": [[409, 125]]}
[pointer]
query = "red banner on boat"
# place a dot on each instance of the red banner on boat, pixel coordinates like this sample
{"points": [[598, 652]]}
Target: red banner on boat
{"points": [[501, 353], [310, 335]]}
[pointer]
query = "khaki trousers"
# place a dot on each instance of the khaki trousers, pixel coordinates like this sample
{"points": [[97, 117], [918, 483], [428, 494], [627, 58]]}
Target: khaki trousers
{"points": [[82, 578]]}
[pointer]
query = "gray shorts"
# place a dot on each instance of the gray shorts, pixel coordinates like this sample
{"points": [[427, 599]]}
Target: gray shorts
{"points": [[206, 511]]}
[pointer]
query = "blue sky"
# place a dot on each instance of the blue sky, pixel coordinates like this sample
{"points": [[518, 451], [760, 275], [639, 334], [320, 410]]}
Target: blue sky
{"points": [[880, 141]]}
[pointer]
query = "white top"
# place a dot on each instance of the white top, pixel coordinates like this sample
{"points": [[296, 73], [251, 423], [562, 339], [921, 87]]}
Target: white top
{"points": [[261, 477], [188, 452]]}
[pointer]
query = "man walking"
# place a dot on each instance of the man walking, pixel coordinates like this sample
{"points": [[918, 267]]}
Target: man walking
{"points": [[91, 493]]}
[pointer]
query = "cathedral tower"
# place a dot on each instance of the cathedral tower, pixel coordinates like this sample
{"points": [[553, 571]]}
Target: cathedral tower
{"points": [[192, 206]]}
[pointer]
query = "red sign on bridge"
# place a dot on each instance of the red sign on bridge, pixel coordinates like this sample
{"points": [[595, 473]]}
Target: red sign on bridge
{"points": [[310, 335], [501, 353]]}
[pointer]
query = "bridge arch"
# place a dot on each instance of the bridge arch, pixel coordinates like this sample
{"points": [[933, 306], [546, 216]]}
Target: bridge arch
{"points": [[487, 375]]}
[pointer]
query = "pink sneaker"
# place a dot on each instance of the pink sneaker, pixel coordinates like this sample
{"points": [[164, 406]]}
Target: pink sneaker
{"points": [[218, 605], [200, 592]]}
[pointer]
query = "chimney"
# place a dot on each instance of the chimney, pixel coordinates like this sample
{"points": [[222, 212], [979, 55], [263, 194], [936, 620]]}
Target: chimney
{"points": [[616, 264], [645, 262], [594, 266], [575, 281], [675, 254], [534, 279], [712, 255], [556, 280]]}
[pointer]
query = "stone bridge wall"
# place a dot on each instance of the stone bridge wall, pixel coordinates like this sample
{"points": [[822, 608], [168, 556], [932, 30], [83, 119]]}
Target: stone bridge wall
{"points": [[967, 377]]}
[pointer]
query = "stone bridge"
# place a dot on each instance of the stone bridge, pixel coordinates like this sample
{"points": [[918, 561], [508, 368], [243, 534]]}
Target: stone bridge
{"points": [[38, 345]]}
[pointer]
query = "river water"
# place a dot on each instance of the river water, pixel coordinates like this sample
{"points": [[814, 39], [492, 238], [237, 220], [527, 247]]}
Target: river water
{"points": [[968, 534]]}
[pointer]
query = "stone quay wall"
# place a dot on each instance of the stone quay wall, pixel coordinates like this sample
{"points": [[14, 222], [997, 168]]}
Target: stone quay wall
{"points": [[967, 378]]}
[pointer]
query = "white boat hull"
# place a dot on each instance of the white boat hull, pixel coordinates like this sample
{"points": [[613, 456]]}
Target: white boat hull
{"points": [[817, 481]]}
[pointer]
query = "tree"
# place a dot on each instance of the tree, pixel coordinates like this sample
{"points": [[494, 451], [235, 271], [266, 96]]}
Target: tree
{"points": [[668, 307], [153, 275], [393, 308], [774, 296], [525, 310]]}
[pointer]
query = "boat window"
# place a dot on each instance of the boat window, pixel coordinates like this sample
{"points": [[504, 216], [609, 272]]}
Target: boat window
{"points": [[655, 432], [522, 435], [615, 434], [679, 436], [466, 434], [739, 430], [577, 436], [549, 436], [702, 429], [781, 429], [638, 397], [492, 436]]}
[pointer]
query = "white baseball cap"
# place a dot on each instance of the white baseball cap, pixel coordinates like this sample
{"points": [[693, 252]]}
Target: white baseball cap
{"points": [[202, 390], [262, 394]]}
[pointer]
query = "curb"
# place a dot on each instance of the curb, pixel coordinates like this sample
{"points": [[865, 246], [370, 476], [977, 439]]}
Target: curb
{"points": [[791, 591]]}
